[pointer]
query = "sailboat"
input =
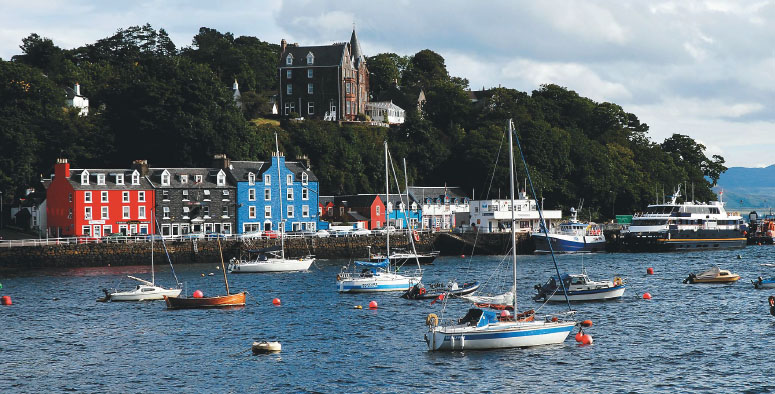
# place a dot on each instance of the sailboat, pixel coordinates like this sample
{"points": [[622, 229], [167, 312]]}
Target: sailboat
{"points": [[482, 329], [272, 259], [381, 275], [208, 302], [145, 291]]}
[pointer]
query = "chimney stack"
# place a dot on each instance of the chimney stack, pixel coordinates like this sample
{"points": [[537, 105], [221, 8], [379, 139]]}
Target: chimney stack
{"points": [[77, 89], [141, 166], [221, 161], [283, 44], [62, 169]]}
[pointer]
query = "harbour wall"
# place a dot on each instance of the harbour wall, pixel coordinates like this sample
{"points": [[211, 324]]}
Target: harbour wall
{"points": [[201, 251]]}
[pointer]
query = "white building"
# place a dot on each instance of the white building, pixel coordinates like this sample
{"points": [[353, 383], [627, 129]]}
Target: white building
{"points": [[75, 100], [440, 206], [379, 110], [495, 215], [236, 96], [30, 213]]}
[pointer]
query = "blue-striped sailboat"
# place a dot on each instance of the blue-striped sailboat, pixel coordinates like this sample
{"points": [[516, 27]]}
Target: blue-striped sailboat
{"points": [[481, 329], [382, 275]]}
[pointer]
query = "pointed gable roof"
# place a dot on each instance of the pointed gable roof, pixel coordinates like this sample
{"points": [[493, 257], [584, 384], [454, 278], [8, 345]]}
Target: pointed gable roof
{"points": [[325, 55]]}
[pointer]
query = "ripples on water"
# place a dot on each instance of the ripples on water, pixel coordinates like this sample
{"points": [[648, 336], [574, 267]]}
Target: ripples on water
{"points": [[688, 338]]}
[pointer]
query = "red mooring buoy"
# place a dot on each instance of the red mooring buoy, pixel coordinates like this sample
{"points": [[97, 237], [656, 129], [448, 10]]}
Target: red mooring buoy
{"points": [[647, 296], [650, 271], [587, 323], [6, 300], [198, 294], [276, 301], [586, 339], [579, 336], [373, 305]]}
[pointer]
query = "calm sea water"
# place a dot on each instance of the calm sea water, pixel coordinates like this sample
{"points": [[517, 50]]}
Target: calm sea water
{"points": [[688, 338]]}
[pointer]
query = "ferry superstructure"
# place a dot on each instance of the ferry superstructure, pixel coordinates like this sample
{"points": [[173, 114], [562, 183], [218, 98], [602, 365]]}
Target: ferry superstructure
{"points": [[686, 226]]}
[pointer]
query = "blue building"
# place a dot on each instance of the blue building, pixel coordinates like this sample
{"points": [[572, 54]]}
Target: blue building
{"points": [[264, 201], [399, 211]]}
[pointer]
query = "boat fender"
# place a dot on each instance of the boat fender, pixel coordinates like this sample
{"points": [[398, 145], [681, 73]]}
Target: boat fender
{"points": [[422, 291], [338, 278], [432, 320], [416, 236]]}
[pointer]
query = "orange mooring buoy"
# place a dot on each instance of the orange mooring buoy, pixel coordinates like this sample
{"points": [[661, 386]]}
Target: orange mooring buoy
{"points": [[586, 339], [647, 296], [650, 271], [6, 300], [276, 302], [373, 305], [587, 323]]}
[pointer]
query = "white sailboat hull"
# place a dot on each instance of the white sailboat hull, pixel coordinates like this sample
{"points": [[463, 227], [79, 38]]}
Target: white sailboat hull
{"points": [[593, 295], [381, 281], [271, 265], [145, 293], [502, 335]]}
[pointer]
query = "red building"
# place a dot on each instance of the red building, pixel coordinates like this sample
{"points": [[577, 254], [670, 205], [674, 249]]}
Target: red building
{"points": [[367, 208], [326, 208], [98, 202]]}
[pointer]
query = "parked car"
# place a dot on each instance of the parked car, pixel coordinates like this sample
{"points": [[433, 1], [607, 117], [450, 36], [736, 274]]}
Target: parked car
{"points": [[322, 234], [360, 231], [193, 236], [155, 237], [340, 233], [252, 234]]}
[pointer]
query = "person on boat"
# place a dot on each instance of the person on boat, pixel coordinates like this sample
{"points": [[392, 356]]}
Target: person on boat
{"points": [[772, 305]]}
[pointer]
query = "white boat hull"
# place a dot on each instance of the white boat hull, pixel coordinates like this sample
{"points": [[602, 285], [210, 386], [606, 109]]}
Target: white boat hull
{"points": [[376, 283], [596, 295], [271, 265], [145, 293], [498, 336]]}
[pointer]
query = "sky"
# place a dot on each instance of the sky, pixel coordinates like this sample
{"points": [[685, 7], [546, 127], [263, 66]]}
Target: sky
{"points": [[701, 68]]}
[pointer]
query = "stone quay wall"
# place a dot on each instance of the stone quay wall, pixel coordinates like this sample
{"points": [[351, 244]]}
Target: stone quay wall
{"points": [[201, 251]]}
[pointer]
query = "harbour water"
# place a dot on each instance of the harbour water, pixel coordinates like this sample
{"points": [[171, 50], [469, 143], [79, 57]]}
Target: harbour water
{"points": [[688, 338]]}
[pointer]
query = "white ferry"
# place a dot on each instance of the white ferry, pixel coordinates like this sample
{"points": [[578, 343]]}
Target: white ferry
{"points": [[684, 227]]}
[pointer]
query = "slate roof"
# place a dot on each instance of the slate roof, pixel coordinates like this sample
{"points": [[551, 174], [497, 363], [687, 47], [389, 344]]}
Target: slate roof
{"points": [[324, 200], [355, 49], [240, 170], [110, 179], [419, 193], [208, 178], [357, 200], [325, 55]]}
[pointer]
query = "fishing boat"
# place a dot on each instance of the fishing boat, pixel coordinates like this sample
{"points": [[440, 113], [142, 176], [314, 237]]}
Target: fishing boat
{"points": [[579, 288], [762, 283], [228, 300], [272, 259], [145, 291], [483, 329], [572, 236], [434, 290], [713, 275], [367, 276], [686, 226]]}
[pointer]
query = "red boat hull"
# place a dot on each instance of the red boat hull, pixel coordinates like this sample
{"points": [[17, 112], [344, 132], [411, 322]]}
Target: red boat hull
{"points": [[205, 302]]}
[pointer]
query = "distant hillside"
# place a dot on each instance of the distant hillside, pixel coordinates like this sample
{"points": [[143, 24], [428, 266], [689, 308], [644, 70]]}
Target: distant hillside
{"points": [[754, 186]]}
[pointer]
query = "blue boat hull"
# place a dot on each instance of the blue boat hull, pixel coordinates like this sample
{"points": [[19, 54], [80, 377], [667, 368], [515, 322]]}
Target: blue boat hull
{"points": [[567, 245]]}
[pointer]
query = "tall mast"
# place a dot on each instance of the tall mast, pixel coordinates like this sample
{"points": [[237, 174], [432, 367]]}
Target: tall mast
{"points": [[153, 272], [281, 225], [387, 198], [513, 233]]}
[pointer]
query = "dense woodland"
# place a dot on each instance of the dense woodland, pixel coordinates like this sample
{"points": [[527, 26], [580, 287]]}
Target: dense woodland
{"points": [[173, 106]]}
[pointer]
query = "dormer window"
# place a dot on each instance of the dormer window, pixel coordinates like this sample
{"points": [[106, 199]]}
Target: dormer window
{"points": [[304, 178], [289, 59], [310, 59], [198, 178], [184, 179], [100, 179], [135, 178], [85, 177], [119, 179], [165, 178], [251, 178], [221, 178]]}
